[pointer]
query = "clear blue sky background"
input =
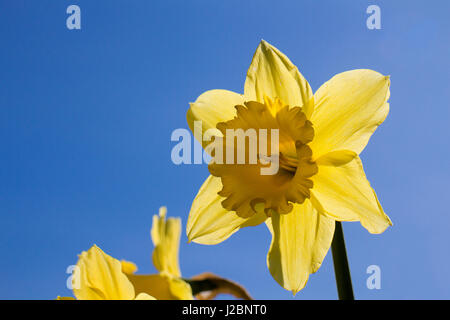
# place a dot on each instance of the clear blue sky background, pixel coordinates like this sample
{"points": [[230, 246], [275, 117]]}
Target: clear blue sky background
{"points": [[86, 118]]}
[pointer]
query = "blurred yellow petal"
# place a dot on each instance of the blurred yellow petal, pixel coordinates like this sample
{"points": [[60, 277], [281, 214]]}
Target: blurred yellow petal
{"points": [[128, 267], [272, 74], [65, 298], [161, 286], [166, 239], [300, 241], [209, 222], [212, 107], [101, 277], [348, 108], [144, 296], [345, 194]]}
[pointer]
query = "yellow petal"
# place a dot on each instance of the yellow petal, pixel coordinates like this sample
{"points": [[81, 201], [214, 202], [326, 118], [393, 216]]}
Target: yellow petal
{"points": [[348, 109], [128, 267], [144, 296], [212, 107], [166, 239], [209, 222], [272, 74], [300, 241], [345, 194], [162, 286], [101, 277]]}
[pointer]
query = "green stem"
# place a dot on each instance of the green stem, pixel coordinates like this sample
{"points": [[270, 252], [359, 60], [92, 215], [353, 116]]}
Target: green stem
{"points": [[341, 268]]}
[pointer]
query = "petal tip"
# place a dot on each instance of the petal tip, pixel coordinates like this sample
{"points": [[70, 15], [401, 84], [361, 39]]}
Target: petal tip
{"points": [[162, 212], [390, 223], [191, 237], [266, 46]]}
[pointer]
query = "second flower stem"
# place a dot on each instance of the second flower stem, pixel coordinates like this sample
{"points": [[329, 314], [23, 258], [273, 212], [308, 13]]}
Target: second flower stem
{"points": [[341, 268]]}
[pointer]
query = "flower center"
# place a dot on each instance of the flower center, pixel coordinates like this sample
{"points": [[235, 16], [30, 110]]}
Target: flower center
{"points": [[265, 161]]}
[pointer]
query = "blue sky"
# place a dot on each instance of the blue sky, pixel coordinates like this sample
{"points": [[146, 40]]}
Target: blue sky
{"points": [[86, 117]]}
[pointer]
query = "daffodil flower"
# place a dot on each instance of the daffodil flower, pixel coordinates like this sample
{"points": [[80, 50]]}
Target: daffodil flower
{"points": [[98, 276], [320, 178]]}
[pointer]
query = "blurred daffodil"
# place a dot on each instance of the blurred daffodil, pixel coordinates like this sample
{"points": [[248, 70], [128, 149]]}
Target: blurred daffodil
{"points": [[98, 276], [320, 178]]}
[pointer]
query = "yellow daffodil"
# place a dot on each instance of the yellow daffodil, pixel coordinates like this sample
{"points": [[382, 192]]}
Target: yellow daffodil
{"points": [[320, 178], [99, 276]]}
